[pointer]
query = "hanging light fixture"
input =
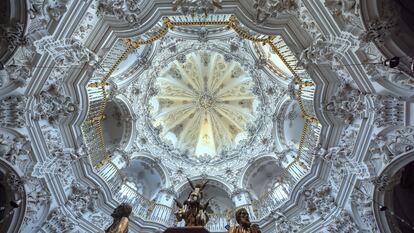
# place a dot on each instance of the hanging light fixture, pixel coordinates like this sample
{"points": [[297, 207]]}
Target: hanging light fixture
{"points": [[382, 208], [392, 62]]}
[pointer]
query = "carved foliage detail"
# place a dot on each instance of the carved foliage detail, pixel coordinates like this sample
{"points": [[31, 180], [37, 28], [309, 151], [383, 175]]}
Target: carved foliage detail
{"points": [[12, 111], [127, 10]]}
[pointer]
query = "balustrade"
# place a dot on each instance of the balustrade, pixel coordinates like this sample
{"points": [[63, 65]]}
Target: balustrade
{"points": [[161, 214], [270, 200]]}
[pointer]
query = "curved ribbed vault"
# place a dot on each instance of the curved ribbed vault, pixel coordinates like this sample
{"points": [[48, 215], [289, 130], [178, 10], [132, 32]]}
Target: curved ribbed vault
{"points": [[309, 70], [204, 104]]}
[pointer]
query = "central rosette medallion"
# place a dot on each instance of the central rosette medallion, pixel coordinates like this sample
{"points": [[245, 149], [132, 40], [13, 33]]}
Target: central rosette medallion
{"points": [[204, 103]]}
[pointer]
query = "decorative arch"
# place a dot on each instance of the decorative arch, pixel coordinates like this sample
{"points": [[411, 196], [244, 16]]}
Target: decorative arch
{"points": [[260, 174], [129, 130], [385, 184], [220, 204], [118, 124], [145, 175], [13, 190]]}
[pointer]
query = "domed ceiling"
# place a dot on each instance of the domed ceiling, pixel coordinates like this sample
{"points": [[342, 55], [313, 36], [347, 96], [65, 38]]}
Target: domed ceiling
{"points": [[284, 106], [203, 104]]}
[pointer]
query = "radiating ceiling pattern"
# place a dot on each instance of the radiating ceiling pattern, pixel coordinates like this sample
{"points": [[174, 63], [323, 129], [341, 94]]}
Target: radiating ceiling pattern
{"points": [[204, 103]]}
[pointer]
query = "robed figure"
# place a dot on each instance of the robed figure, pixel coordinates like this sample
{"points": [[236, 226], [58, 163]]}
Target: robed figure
{"points": [[120, 216], [244, 224]]}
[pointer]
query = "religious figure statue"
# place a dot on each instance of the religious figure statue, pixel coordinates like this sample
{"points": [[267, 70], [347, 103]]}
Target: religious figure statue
{"points": [[242, 218], [120, 216], [192, 211]]}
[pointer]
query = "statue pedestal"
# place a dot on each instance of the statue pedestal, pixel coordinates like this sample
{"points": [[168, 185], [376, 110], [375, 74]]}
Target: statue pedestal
{"points": [[186, 230]]}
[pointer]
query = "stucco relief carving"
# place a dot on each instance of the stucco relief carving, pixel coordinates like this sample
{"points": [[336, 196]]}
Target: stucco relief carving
{"points": [[284, 225], [82, 199], [343, 223], [398, 77], [59, 162], [389, 110], [58, 221], [270, 8], [387, 147], [343, 164], [38, 199], [14, 149], [146, 139], [348, 104], [51, 9], [53, 106], [382, 182], [378, 30], [344, 9], [319, 200], [362, 203], [329, 51], [16, 183], [66, 52], [127, 10], [83, 31], [196, 7], [17, 74], [193, 172], [308, 23], [12, 109], [349, 136], [14, 35]]}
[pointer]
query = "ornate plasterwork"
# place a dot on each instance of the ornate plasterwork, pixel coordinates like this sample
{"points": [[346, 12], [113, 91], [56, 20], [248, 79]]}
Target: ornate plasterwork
{"points": [[65, 52], [203, 104], [146, 139], [11, 111], [354, 131], [14, 35], [271, 8], [126, 10], [199, 7], [51, 9]]}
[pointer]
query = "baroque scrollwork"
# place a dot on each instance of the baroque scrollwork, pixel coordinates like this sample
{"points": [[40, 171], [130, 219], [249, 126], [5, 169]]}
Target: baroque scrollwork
{"points": [[387, 147], [53, 106], [50, 9], [58, 221], [14, 149], [14, 35], [348, 104], [12, 109], [319, 201], [191, 7], [270, 8], [66, 52], [343, 223], [17, 74], [82, 199], [127, 10]]}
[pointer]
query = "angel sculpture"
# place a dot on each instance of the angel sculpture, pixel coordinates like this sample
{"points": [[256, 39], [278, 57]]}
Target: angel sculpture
{"points": [[192, 211]]}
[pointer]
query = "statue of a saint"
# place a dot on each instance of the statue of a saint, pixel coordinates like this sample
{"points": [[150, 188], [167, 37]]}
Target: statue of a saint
{"points": [[120, 216], [242, 218], [192, 211]]}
